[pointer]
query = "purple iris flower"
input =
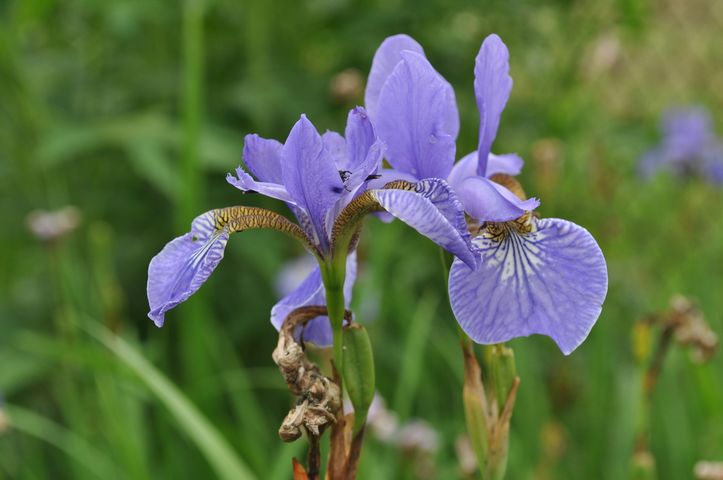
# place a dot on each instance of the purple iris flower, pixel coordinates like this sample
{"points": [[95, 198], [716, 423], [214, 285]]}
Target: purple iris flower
{"points": [[689, 146], [535, 276], [415, 114], [319, 177]]}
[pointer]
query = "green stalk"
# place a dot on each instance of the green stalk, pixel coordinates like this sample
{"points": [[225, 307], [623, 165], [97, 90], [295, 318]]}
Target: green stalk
{"points": [[195, 332], [333, 274], [191, 106]]}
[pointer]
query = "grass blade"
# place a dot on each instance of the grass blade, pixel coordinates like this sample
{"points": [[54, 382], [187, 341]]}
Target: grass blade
{"points": [[209, 441], [34, 424]]}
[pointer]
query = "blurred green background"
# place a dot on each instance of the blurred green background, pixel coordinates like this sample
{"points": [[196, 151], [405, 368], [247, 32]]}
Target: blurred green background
{"points": [[131, 112]]}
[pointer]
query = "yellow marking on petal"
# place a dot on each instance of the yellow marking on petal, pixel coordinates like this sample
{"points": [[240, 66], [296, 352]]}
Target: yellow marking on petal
{"points": [[240, 218], [360, 206]]}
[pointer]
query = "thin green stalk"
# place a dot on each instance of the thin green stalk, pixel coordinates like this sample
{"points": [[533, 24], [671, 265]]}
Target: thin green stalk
{"points": [[333, 274], [196, 335], [191, 108], [215, 448]]}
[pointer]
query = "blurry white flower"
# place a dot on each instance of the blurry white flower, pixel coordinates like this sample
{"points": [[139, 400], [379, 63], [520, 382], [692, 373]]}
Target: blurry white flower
{"points": [[49, 226]]}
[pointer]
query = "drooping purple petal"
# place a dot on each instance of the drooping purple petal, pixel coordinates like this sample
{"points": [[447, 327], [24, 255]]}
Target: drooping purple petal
{"points": [[183, 265], [433, 210], [263, 158], [492, 87], [310, 175], [488, 201], [551, 282], [387, 56], [413, 109], [311, 292]]}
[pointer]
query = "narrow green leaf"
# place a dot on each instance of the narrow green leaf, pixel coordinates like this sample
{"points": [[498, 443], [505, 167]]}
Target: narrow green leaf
{"points": [[209, 441], [80, 450]]}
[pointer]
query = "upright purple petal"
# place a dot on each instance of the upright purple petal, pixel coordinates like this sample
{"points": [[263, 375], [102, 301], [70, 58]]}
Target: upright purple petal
{"points": [[311, 292], [183, 265], [492, 87], [362, 158], [364, 150], [552, 282], [413, 109], [263, 158], [433, 210], [387, 56], [336, 146], [310, 175], [488, 201]]}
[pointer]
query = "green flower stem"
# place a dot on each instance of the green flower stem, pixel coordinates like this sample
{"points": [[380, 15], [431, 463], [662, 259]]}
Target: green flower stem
{"points": [[333, 274], [487, 418]]}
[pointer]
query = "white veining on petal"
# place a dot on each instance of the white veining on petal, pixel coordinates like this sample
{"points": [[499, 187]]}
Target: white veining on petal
{"points": [[551, 280]]}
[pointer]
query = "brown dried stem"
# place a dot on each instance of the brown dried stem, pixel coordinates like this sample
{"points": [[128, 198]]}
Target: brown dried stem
{"points": [[319, 403]]}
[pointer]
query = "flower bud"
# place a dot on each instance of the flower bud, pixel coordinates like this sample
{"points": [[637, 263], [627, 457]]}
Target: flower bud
{"points": [[358, 372]]}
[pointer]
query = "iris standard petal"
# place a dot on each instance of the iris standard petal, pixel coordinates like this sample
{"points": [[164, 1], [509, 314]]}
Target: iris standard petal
{"points": [[488, 201], [387, 56], [263, 158], [492, 87], [413, 106], [310, 175], [551, 281], [311, 292], [364, 150], [433, 210], [336, 146], [183, 265]]}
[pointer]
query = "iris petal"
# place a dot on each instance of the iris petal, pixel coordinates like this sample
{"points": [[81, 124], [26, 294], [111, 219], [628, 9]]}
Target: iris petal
{"points": [[492, 87], [551, 281], [433, 210], [488, 201], [262, 157], [245, 182], [387, 56], [412, 120], [311, 292], [186, 262], [506, 163], [364, 149], [310, 175], [183, 265]]}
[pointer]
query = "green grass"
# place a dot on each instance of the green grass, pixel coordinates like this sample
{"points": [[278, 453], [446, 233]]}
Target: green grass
{"points": [[134, 111]]}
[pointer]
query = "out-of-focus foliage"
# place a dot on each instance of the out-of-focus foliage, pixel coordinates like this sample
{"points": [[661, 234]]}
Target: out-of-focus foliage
{"points": [[103, 106]]}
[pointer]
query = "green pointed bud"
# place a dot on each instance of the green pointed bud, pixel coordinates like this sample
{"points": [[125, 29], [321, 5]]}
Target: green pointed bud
{"points": [[476, 418], [501, 361], [358, 372]]}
